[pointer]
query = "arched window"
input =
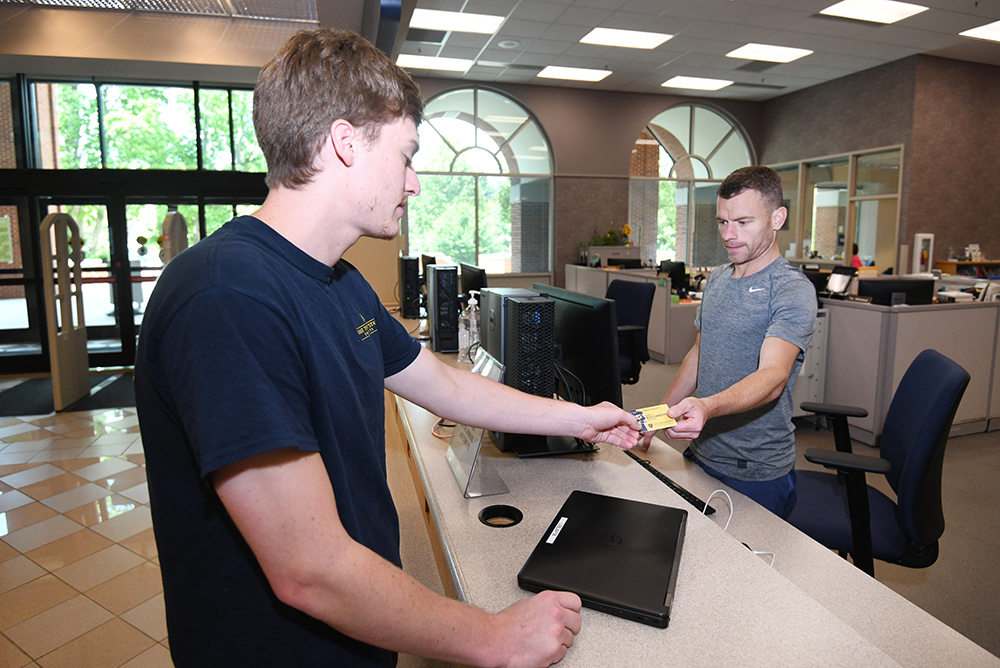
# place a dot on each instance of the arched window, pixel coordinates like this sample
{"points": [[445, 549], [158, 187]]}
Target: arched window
{"points": [[677, 163], [485, 170]]}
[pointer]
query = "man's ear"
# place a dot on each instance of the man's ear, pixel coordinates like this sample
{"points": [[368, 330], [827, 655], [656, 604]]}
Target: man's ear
{"points": [[778, 218], [345, 139]]}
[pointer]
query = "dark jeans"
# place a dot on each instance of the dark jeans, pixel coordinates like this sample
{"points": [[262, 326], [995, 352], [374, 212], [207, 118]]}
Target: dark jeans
{"points": [[776, 495]]}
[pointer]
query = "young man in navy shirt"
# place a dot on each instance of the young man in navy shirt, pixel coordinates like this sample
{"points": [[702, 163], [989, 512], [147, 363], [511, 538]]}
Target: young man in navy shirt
{"points": [[260, 384]]}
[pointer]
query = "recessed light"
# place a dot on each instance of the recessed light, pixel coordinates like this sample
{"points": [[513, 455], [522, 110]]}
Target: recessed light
{"points": [[696, 83], [630, 39], [990, 31], [433, 19], [433, 63], [876, 11], [508, 44], [772, 54], [573, 73]]}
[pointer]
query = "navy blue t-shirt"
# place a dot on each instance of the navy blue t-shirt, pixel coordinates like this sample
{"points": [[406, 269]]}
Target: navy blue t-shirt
{"points": [[249, 345]]}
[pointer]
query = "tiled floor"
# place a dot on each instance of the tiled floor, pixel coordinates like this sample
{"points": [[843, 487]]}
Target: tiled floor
{"points": [[79, 575]]}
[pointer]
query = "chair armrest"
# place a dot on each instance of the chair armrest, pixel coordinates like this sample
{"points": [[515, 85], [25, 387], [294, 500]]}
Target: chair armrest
{"points": [[846, 461], [630, 328], [833, 410]]}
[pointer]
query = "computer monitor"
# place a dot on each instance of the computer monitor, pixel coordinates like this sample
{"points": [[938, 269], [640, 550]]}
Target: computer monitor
{"points": [[892, 290], [677, 272], [625, 262], [586, 339], [840, 279], [473, 278], [426, 261]]}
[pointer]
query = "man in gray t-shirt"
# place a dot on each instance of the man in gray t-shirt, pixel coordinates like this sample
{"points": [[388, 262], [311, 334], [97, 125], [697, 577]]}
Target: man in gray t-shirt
{"points": [[732, 396]]}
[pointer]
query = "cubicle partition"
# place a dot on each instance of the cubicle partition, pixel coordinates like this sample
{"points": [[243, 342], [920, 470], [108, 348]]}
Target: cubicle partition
{"points": [[870, 348]]}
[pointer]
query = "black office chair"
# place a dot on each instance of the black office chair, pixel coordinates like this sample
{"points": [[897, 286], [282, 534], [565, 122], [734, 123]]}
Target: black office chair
{"points": [[855, 519], [633, 302]]}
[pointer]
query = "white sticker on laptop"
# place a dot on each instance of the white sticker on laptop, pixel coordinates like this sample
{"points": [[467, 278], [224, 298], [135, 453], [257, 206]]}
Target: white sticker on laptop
{"points": [[555, 532]]}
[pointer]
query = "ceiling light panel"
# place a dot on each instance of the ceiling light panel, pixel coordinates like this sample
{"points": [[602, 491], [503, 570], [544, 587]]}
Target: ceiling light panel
{"points": [[433, 63], [772, 54], [573, 73], [696, 83], [876, 11], [433, 19], [630, 39], [990, 31]]}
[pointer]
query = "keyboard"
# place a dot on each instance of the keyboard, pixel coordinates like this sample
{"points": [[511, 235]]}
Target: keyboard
{"points": [[684, 494]]}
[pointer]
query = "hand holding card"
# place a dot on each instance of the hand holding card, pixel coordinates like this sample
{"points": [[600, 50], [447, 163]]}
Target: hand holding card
{"points": [[653, 418]]}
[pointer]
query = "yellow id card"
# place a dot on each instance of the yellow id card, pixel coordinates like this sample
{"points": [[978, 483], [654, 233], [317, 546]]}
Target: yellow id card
{"points": [[653, 418]]}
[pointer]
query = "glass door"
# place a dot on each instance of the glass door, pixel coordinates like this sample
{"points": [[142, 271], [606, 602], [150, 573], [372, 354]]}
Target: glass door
{"points": [[22, 344], [108, 297]]}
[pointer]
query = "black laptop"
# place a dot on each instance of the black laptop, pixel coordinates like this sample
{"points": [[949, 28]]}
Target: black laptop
{"points": [[619, 556]]}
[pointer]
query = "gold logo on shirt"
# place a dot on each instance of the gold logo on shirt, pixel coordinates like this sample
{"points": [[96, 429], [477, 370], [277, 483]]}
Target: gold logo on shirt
{"points": [[367, 329]]}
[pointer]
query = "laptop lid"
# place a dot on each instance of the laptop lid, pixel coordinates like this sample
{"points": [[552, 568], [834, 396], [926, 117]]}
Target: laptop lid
{"points": [[619, 556]]}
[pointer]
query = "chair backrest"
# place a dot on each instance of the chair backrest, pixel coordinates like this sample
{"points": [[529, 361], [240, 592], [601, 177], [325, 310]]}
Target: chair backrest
{"points": [[633, 302], [913, 440]]}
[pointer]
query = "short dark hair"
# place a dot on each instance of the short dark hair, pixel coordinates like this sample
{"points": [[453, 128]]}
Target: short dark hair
{"points": [[756, 177], [316, 78]]}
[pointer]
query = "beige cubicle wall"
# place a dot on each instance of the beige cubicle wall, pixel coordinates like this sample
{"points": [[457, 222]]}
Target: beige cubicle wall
{"points": [[671, 326], [870, 347]]}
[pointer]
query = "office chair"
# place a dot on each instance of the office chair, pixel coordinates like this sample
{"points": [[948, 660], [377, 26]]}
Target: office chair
{"points": [[855, 519], [633, 302]]}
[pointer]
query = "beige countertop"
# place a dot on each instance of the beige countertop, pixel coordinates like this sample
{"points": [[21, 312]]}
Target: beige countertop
{"points": [[731, 606]]}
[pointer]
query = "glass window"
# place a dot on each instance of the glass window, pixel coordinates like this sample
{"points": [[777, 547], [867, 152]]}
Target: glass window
{"points": [[249, 157], [67, 126], [826, 208], [149, 127], [686, 147], [213, 105], [790, 188], [875, 232], [486, 189], [878, 174]]}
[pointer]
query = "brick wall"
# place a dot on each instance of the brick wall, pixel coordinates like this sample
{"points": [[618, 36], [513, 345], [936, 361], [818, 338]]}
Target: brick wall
{"points": [[529, 222]]}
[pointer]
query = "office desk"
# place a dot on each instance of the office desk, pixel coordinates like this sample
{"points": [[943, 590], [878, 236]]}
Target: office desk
{"points": [[731, 608]]}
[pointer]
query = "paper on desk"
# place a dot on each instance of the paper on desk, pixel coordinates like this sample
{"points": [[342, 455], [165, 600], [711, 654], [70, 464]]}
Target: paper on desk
{"points": [[653, 418]]}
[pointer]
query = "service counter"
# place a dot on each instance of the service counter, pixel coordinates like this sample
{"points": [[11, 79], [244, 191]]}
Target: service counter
{"points": [[671, 326], [732, 607], [869, 348]]}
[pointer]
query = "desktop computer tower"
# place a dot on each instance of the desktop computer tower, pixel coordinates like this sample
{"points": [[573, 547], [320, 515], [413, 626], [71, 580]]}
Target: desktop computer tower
{"points": [[517, 326], [442, 307], [409, 286]]}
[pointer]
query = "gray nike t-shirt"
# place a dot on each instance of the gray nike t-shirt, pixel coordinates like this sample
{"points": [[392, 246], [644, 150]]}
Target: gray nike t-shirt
{"points": [[735, 316]]}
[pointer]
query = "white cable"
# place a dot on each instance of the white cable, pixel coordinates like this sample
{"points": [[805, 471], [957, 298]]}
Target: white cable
{"points": [[774, 557], [728, 498]]}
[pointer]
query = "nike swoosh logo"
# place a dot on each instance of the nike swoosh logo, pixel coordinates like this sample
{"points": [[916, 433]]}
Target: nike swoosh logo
{"points": [[756, 289]]}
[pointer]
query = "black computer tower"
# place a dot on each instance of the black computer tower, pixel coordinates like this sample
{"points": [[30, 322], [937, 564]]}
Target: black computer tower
{"points": [[442, 307], [518, 328], [409, 286], [492, 302]]}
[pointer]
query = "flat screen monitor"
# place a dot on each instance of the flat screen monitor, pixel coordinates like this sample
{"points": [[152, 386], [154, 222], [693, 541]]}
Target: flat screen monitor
{"points": [[473, 278], [625, 262], [677, 272], [426, 261], [586, 339], [889, 291], [840, 279]]}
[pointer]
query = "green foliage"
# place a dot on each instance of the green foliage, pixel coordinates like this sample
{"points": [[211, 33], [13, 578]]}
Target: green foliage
{"points": [[666, 228], [610, 238]]}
